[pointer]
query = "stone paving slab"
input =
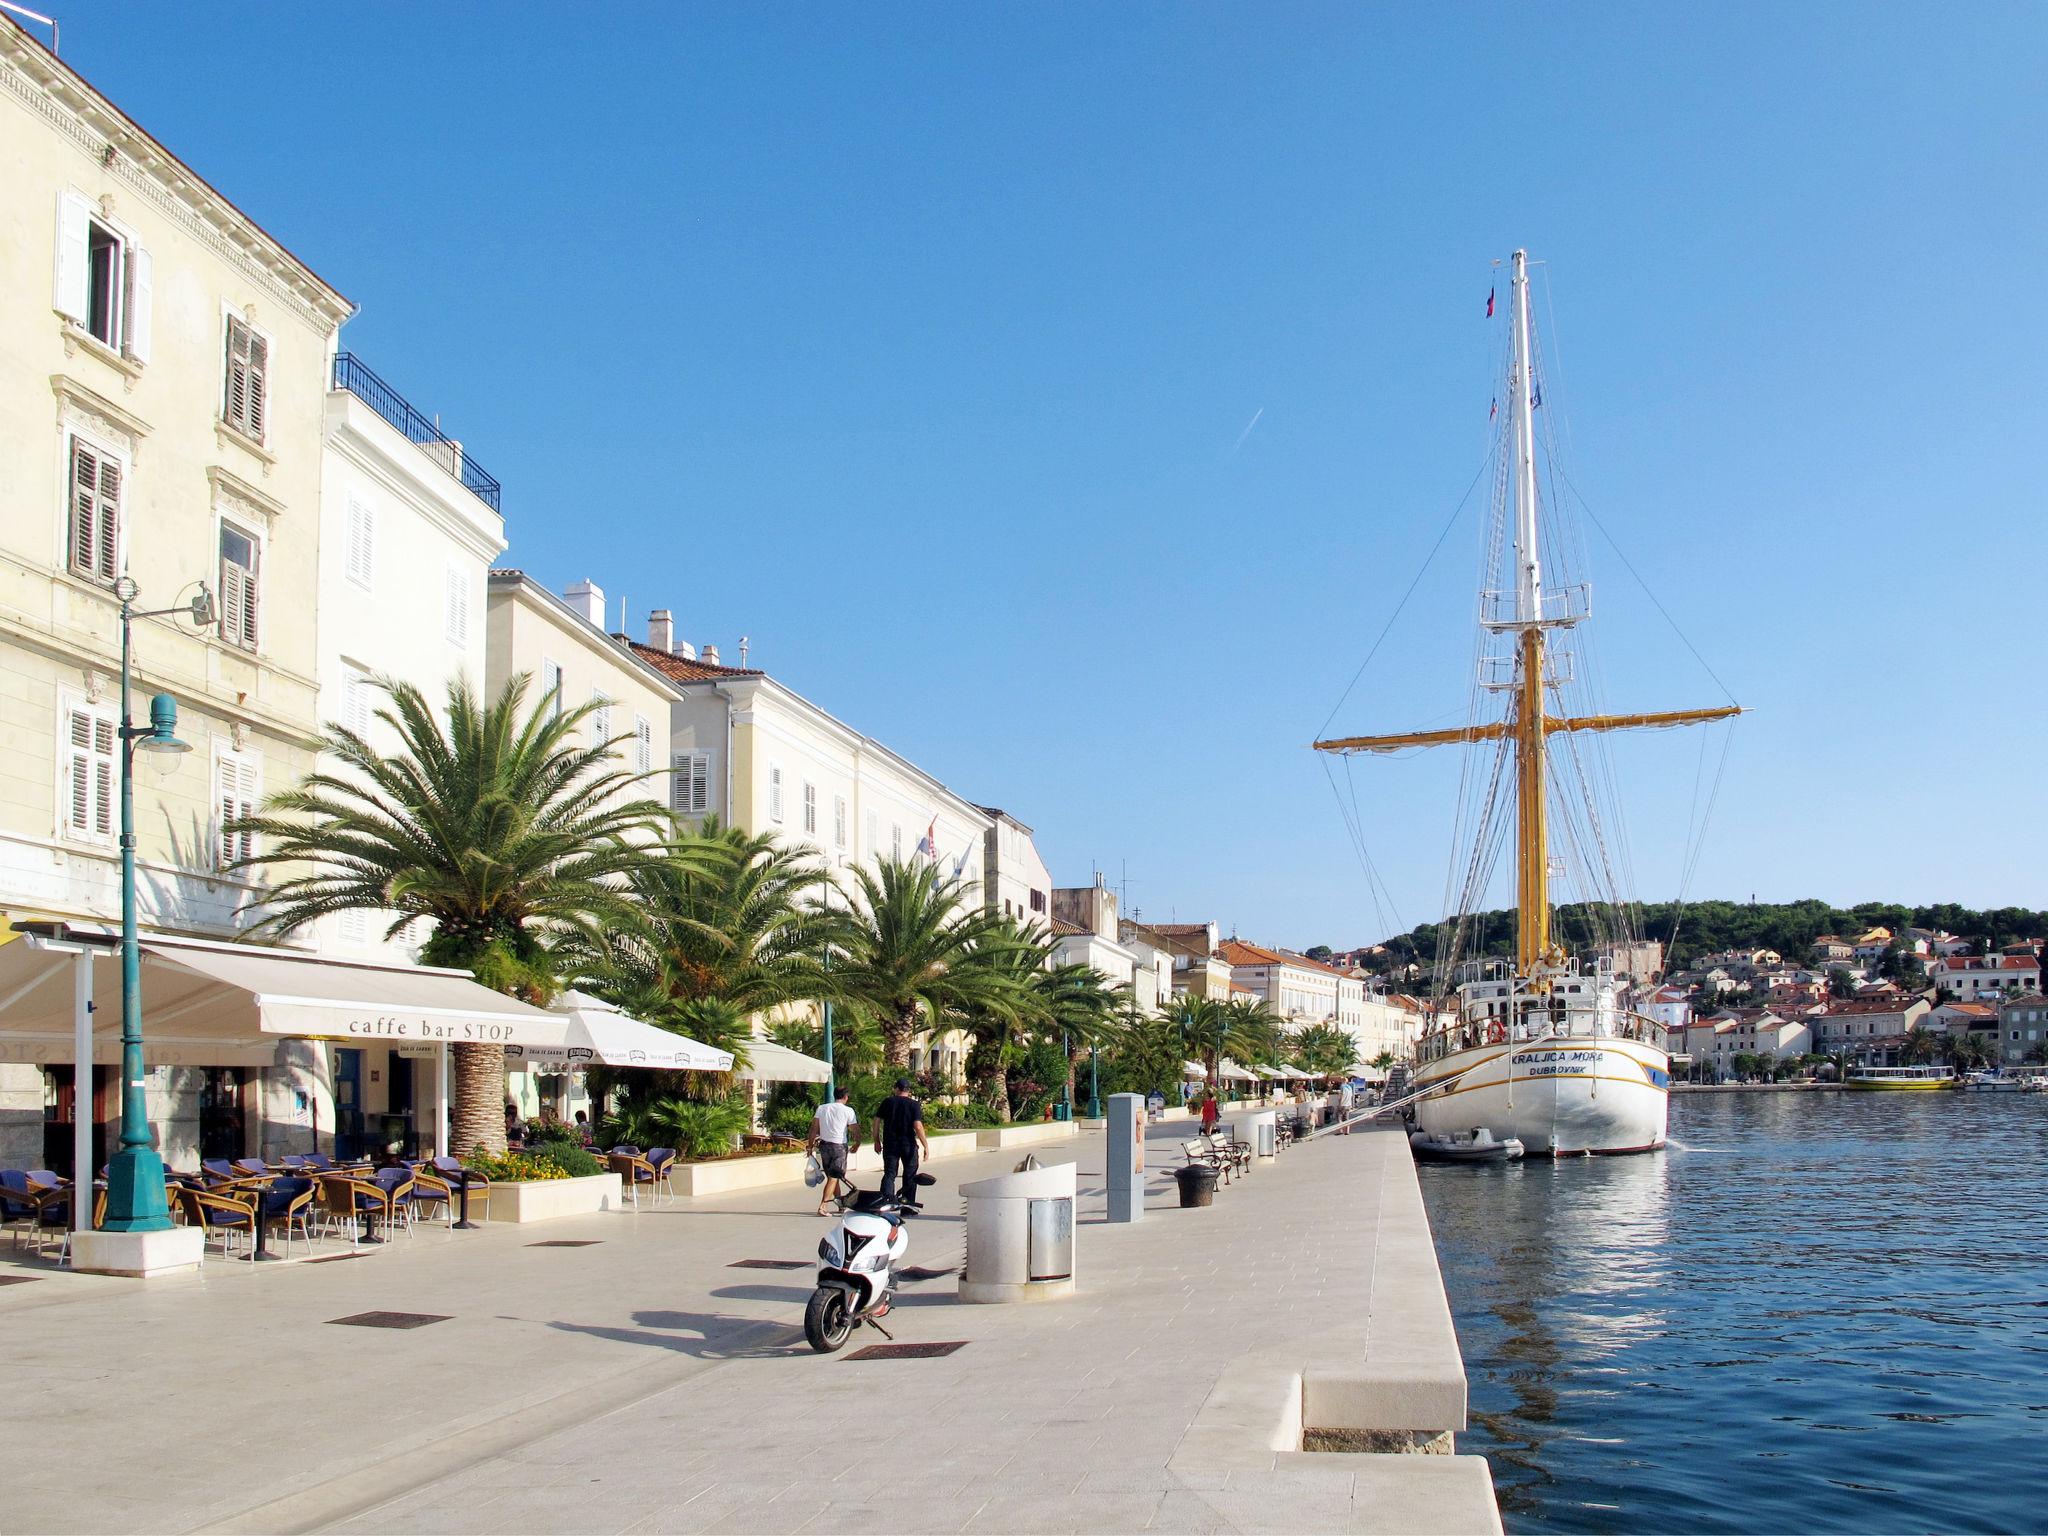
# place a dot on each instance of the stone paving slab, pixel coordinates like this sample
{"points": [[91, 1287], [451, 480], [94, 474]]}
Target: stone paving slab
{"points": [[641, 1384]]}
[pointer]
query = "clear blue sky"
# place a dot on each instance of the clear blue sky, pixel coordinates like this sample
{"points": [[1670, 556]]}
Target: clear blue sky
{"points": [[919, 344]]}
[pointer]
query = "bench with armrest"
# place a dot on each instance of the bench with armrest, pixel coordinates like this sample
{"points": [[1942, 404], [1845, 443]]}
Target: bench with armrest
{"points": [[1238, 1153], [1201, 1155]]}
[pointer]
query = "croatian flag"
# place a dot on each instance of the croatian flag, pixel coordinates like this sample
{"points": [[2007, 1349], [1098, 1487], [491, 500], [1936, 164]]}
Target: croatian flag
{"points": [[1489, 303], [928, 845]]}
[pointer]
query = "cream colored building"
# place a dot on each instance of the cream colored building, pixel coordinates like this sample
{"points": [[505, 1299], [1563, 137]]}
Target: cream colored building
{"points": [[1014, 878], [162, 374]]}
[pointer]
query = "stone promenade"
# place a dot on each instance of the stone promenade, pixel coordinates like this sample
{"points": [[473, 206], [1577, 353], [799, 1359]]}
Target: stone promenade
{"points": [[641, 1381]]}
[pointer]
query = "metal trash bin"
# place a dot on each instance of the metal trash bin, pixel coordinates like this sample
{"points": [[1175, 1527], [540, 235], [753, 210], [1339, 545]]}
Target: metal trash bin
{"points": [[1020, 1235], [1197, 1186]]}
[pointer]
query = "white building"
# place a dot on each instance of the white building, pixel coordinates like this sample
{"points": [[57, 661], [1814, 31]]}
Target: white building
{"points": [[162, 366], [1014, 878], [1981, 978], [1302, 991], [407, 534]]}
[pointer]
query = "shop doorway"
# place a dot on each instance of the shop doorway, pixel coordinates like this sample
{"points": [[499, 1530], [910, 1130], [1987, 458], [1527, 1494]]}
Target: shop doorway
{"points": [[60, 1111], [348, 1104], [222, 1132]]}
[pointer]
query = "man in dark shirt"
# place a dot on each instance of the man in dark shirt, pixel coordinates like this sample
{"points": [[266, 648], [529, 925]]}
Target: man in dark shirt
{"points": [[899, 1132]]}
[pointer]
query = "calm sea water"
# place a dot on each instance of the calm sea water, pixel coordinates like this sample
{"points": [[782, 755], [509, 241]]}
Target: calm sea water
{"points": [[1812, 1312]]}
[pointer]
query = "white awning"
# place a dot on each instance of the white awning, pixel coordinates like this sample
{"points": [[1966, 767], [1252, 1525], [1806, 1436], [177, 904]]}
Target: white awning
{"points": [[1193, 1069], [212, 1004], [768, 1062], [599, 1032], [1230, 1069]]}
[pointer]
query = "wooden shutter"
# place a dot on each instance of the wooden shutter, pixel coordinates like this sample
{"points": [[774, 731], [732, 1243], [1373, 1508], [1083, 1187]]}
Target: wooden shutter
{"points": [[238, 589], [237, 792], [458, 607], [141, 309], [600, 719], [690, 794], [74, 235], [643, 744], [89, 774], [95, 513], [244, 405], [362, 543]]}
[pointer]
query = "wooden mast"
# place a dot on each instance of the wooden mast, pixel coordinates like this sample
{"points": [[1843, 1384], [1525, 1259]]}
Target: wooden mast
{"points": [[1529, 725]]}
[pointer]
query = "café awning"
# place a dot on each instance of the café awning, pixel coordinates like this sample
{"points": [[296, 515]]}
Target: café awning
{"points": [[214, 1004], [768, 1062], [599, 1033]]}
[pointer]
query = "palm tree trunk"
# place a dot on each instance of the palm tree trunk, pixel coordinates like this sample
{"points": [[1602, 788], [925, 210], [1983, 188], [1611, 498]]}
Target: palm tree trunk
{"points": [[477, 1117], [902, 1025]]}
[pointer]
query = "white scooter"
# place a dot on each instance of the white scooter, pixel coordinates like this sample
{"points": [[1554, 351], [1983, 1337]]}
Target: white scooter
{"points": [[857, 1269]]}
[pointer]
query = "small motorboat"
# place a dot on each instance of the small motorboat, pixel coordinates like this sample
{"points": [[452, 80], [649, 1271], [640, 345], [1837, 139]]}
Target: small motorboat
{"points": [[1993, 1082], [1475, 1146]]}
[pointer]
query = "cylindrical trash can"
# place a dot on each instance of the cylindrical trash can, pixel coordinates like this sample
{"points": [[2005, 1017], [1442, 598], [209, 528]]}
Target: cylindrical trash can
{"points": [[1020, 1235], [1197, 1186]]}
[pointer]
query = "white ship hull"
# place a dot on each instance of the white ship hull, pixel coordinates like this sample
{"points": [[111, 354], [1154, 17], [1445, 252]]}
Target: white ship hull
{"points": [[1558, 1094]]}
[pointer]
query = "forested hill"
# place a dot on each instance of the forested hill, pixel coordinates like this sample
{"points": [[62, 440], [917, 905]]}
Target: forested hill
{"points": [[1789, 927]]}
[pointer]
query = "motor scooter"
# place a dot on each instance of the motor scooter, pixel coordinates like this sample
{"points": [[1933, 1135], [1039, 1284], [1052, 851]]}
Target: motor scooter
{"points": [[857, 1263]]}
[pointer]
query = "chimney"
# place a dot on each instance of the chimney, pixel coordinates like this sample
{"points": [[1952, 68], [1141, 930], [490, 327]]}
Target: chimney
{"points": [[661, 630], [587, 598], [711, 655], [686, 650]]}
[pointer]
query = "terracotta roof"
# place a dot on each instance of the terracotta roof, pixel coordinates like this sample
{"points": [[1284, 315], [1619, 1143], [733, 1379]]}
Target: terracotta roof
{"points": [[1179, 930], [1237, 952], [1870, 1005], [1982, 963], [684, 670], [1984, 1008], [1062, 928]]}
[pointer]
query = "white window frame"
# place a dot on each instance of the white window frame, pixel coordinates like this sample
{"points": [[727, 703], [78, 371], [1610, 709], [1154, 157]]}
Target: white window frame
{"points": [[810, 808], [253, 420], [643, 744], [551, 682], [237, 782], [103, 456], [249, 637], [360, 545], [102, 770], [896, 842], [839, 821], [690, 791], [455, 606], [133, 289], [775, 792]]}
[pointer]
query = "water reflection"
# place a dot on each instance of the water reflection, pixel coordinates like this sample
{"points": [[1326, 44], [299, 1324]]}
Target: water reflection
{"points": [[1812, 1311]]}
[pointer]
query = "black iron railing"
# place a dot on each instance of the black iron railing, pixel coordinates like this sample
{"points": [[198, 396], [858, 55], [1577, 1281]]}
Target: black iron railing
{"points": [[353, 375]]}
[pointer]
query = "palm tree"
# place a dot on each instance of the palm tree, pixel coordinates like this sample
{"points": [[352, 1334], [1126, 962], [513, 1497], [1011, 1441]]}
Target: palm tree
{"points": [[725, 915], [921, 948], [1196, 1026], [1084, 1006], [1969, 1051], [1324, 1050], [1005, 1017], [504, 830], [1922, 1046]]}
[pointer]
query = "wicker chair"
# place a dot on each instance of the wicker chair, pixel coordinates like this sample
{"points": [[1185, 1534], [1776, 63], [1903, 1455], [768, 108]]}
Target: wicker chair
{"points": [[216, 1212]]}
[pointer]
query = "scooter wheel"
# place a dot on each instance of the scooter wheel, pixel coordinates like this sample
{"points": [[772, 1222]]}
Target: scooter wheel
{"points": [[828, 1320]]}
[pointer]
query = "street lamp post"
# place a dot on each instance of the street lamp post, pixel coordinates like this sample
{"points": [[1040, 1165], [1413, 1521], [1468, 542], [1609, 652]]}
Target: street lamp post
{"points": [[135, 1174], [1094, 1082]]}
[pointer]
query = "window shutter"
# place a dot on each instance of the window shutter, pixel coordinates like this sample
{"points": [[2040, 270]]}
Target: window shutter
{"points": [[237, 794], [74, 224], [259, 384], [643, 744], [690, 794], [355, 700], [141, 303], [235, 399], [839, 820], [362, 534], [95, 513], [458, 607]]}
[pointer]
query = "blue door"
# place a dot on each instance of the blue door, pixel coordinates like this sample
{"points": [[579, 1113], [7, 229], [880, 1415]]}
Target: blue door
{"points": [[348, 1104]]}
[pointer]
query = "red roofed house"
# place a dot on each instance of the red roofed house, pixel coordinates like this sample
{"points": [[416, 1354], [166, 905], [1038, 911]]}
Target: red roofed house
{"points": [[1979, 978]]}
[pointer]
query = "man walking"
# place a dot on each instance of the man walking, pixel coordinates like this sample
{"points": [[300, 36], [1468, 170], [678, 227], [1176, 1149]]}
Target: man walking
{"points": [[899, 1130], [830, 1127]]}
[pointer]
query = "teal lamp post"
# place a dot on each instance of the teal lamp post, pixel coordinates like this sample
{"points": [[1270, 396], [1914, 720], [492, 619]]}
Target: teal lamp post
{"points": [[135, 1174], [1094, 1081]]}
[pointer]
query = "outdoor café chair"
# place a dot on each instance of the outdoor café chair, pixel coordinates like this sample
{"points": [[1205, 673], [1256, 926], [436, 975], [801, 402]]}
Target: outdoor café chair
{"points": [[27, 1201], [1201, 1155], [219, 1213], [449, 1171], [251, 1168], [663, 1161], [218, 1170], [397, 1184], [289, 1202], [347, 1202], [430, 1188], [633, 1171]]}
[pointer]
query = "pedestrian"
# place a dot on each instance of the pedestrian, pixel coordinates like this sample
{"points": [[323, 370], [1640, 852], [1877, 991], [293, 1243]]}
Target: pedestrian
{"points": [[515, 1127], [1210, 1114], [583, 1126], [830, 1128], [899, 1132]]}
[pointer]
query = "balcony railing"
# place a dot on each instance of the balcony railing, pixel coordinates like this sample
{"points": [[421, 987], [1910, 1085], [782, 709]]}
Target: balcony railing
{"points": [[353, 375]]}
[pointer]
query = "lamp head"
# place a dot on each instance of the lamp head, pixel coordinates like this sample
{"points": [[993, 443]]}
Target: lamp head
{"points": [[125, 589], [203, 610], [162, 735]]}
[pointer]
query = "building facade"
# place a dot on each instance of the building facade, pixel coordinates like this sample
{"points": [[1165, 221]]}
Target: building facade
{"points": [[162, 368]]}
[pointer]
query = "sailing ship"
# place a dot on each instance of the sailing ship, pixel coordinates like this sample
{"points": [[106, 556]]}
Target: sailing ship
{"points": [[1542, 1049]]}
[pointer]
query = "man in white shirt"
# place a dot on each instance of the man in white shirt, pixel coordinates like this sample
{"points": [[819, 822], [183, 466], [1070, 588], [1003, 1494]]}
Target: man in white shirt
{"points": [[831, 1127]]}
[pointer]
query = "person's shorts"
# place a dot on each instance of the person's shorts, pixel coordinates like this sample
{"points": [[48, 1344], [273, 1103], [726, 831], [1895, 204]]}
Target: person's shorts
{"points": [[832, 1158]]}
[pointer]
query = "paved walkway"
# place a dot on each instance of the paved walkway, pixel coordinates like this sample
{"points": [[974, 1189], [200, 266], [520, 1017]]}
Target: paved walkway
{"points": [[643, 1383]]}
